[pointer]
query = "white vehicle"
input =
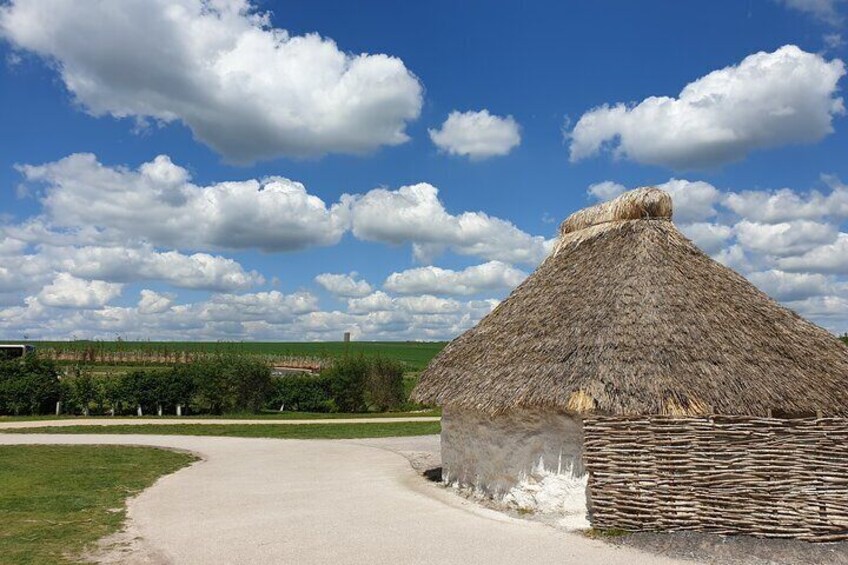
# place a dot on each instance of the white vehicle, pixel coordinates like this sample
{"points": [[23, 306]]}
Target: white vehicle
{"points": [[14, 351]]}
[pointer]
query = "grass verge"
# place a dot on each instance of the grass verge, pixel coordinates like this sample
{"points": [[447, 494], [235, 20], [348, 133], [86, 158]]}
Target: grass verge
{"points": [[247, 416], [56, 500], [307, 431]]}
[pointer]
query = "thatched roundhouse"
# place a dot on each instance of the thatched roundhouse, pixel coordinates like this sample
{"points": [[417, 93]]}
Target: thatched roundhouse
{"points": [[625, 317]]}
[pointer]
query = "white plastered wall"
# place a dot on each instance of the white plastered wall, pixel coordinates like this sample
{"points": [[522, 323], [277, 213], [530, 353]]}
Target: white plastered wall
{"points": [[529, 460]]}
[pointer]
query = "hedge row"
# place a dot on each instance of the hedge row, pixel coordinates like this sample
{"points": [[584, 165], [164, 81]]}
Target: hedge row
{"points": [[30, 386], [223, 384], [352, 384]]}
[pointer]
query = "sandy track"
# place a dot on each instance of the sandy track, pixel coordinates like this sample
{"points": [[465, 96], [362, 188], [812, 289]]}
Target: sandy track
{"points": [[209, 421], [319, 501]]}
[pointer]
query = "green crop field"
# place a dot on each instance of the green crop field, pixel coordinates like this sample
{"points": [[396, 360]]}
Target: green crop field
{"points": [[415, 355]]}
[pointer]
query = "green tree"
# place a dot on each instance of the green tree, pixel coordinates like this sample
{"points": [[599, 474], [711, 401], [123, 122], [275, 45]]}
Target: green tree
{"points": [[143, 389], [302, 392], [211, 385], [112, 392], [384, 384], [180, 387], [29, 386], [250, 383], [82, 390], [347, 383]]}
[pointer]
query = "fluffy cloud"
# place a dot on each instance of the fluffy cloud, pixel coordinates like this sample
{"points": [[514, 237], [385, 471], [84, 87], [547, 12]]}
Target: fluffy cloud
{"points": [[415, 214], [785, 238], [158, 203], [786, 204], [823, 10], [62, 280], [829, 258], [221, 316], [494, 275], [152, 302], [708, 236], [606, 190], [379, 316], [833, 41], [791, 286], [24, 272], [381, 302], [427, 304], [67, 291], [830, 311], [263, 315], [376, 302], [42, 252], [477, 135], [693, 200], [102, 228], [344, 285], [11, 246], [248, 90], [272, 307], [769, 99], [198, 271]]}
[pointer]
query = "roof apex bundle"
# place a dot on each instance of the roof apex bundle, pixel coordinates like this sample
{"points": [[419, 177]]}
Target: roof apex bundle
{"points": [[640, 204], [628, 317]]}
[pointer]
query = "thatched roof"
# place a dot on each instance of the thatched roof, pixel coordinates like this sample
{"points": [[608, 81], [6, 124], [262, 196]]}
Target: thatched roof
{"points": [[627, 316]]}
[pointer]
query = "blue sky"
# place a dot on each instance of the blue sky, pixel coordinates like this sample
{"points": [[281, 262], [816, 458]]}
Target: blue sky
{"points": [[216, 170]]}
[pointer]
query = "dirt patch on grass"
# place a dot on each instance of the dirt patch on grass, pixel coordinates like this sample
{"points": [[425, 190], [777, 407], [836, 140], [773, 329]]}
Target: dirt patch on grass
{"points": [[124, 548]]}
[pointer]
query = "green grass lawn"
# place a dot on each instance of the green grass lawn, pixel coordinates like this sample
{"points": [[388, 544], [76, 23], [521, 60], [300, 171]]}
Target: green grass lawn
{"points": [[306, 431], [56, 500], [249, 416]]}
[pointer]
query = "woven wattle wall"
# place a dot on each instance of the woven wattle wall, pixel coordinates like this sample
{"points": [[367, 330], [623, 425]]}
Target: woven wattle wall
{"points": [[764, 477]]}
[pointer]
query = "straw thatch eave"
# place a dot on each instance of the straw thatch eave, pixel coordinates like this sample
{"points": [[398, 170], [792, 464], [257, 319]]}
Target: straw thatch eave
{"points": [[627, 316]]}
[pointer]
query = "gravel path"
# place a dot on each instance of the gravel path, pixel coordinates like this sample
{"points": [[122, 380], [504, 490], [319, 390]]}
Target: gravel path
{"points": [[320, 501], [209, 421]]}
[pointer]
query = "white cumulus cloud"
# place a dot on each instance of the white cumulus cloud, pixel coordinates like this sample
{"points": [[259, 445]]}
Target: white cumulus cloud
{"points": [[477, 135], [826, 11], [710, 237], [158, 203], [790, 286], [490, 276], [424, 304], [152, 302], [124, 264], [828, 258], [606, 190], [245, 88], [787, 204], [347, 286], [378, 301], [784, 238], [111, 222], [769, 99], [415, 214], [68, 291]]}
